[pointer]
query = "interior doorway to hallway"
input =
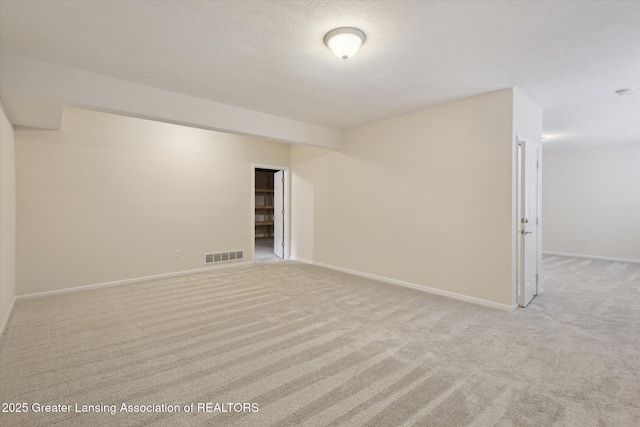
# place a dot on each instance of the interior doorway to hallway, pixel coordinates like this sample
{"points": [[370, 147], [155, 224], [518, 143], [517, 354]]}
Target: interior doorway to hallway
{"points": [[270, 213]]}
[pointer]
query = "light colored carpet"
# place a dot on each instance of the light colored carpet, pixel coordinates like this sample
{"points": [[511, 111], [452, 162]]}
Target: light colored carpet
{"points": [[316, 347], [264, 250]]}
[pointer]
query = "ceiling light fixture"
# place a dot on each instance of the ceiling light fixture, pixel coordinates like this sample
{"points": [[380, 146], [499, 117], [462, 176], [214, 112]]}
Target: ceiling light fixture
{"points": [[344, 41]]}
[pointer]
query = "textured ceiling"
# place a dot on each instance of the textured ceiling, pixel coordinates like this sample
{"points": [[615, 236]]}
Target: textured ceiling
{"points": [[268, 56]]}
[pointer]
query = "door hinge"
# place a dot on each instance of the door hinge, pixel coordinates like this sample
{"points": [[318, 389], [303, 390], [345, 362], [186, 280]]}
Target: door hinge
{"points": [[536, 278], [537, 222], [537, 164], [283, 243], [282, 211], [282, 179]]}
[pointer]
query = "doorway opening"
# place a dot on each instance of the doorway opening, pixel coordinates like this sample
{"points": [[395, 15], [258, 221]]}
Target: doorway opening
{"points": [[528, 218], [270, 214]]}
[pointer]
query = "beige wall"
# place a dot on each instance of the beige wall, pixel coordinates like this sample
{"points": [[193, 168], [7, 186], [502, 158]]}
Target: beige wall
{"points": [[593, 194], [425, 198], [111, 198], [7, 218]]}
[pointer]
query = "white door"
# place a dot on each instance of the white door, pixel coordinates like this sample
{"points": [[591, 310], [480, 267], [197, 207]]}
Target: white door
{"points": [[278, 214], [529, 224]]}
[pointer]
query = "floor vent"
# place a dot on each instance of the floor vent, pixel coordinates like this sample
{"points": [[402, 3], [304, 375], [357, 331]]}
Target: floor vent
{"points": [[223, 257]]}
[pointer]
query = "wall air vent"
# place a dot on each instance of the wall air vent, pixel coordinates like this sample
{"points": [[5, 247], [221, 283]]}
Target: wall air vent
{"points": [[223, 257]]}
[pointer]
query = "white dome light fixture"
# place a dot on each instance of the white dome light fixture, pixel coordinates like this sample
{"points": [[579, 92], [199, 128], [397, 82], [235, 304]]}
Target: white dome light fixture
{"points": [[344, 41]]}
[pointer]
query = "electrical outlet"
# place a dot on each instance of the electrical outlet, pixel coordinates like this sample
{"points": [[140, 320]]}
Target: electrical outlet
{"points": [[583, 242], [177, 253]]}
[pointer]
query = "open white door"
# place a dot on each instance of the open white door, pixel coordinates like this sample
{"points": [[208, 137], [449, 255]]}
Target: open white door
{"points": [[278, 214], [528, 222]]}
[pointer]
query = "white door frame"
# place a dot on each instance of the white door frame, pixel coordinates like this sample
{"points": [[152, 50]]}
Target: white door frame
{"points": [[287, 207], [278, 214], [519, 229]]}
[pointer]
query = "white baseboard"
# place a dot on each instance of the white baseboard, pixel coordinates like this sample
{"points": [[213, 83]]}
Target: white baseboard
{"points": [[7, 317], [460, 297], [604, 258], [435, 291], [129, 281]]}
